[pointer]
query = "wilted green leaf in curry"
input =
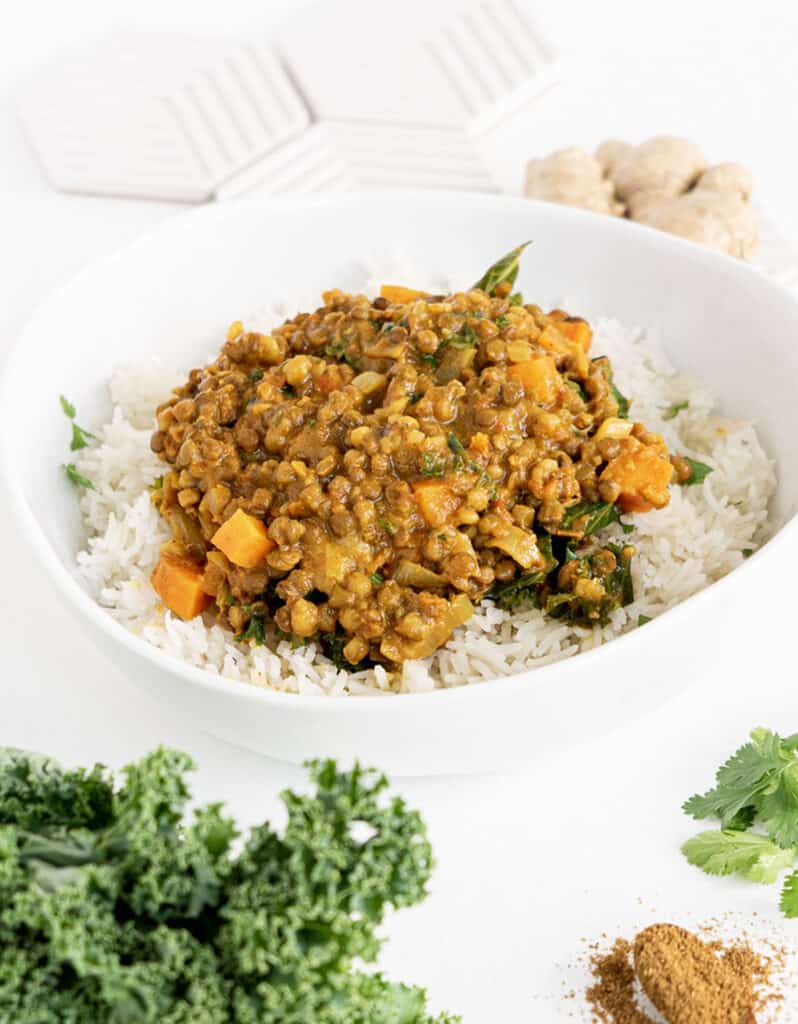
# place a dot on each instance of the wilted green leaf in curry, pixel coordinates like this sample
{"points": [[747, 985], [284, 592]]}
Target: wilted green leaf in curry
{"points": [[622, 400], [587, 517], [504, 271], [619, 582], [592, 583], [515, 592], [254, 630], [332, 644], [527, 586]]}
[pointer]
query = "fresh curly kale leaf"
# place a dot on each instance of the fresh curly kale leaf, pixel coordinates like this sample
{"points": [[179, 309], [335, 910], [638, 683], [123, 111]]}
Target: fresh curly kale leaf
{"points": [[35, 792], [118, 908]]}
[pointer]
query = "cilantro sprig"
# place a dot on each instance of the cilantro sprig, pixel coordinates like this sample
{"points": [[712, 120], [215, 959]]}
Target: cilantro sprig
{"points": [[80, 439], [756, 787], [80, 436], [76, 478], [699, 471], [730, 852], [674, 409]]}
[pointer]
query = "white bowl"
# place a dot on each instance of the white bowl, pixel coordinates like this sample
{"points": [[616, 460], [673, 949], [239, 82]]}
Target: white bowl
{"points": [[174, 294]]}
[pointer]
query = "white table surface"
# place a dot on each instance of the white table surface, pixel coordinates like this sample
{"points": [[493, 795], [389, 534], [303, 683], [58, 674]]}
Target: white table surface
{"points": [[530, 865]]}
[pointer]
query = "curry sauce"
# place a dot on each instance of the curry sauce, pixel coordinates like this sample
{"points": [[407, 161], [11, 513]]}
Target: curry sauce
{"points": [[369, 471]]}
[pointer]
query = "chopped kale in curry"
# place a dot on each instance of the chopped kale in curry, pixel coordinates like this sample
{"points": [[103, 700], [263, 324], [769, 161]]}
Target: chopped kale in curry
{"points": [[368, 472]]}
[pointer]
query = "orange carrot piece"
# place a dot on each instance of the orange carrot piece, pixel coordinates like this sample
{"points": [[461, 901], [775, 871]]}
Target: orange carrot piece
{"points": [[578, 331], [643, 473], [539, 378], [178, 583], [244, 540], [398, 294], [436, 500]]}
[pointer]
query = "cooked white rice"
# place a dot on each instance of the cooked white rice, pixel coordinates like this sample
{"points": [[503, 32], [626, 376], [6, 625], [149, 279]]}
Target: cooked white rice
{"points": [[704, 532]]}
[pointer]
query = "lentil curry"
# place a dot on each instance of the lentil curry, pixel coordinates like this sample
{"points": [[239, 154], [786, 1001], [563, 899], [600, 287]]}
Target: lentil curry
{"points": [[368, 472]]}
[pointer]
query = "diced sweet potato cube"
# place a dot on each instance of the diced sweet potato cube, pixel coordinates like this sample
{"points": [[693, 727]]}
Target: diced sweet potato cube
{"points": [[643, 473], [178, 583], [552, 339], [436, 500], [330, 381], [244, 540], [578, 331], [398, 294], [234, 330], [539, 378]]}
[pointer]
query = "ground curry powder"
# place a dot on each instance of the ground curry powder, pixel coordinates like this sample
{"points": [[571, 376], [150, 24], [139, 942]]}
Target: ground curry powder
{"points": [[688, 980]]}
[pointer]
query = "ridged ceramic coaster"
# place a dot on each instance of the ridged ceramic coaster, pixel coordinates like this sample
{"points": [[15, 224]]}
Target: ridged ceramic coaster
{"points": [[308, 163], [183, 118], [342, 156], [452, 63], [156, 116]]}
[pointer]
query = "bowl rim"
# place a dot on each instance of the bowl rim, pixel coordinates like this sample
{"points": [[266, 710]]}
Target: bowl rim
{"points": [[501, 686]]}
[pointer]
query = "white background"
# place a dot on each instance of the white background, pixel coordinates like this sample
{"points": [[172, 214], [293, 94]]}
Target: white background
{"points": [[530, 865]]}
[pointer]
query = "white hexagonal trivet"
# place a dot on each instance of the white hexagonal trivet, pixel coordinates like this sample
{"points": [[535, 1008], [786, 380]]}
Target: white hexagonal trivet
{"points": [[156, 116], [452, 63], [336, 155]]}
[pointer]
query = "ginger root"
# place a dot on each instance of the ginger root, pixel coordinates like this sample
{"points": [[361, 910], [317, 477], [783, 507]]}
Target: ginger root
{"points": [[574, 178], [666, 165], [720, 220], [664, 183]]}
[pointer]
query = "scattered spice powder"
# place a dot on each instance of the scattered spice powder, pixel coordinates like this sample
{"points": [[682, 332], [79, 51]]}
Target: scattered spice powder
{"points": [[612, 997], [688, 980]]}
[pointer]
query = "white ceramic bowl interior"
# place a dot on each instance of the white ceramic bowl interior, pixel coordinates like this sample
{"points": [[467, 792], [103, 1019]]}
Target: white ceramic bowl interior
{"points": [[174, 293]]}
